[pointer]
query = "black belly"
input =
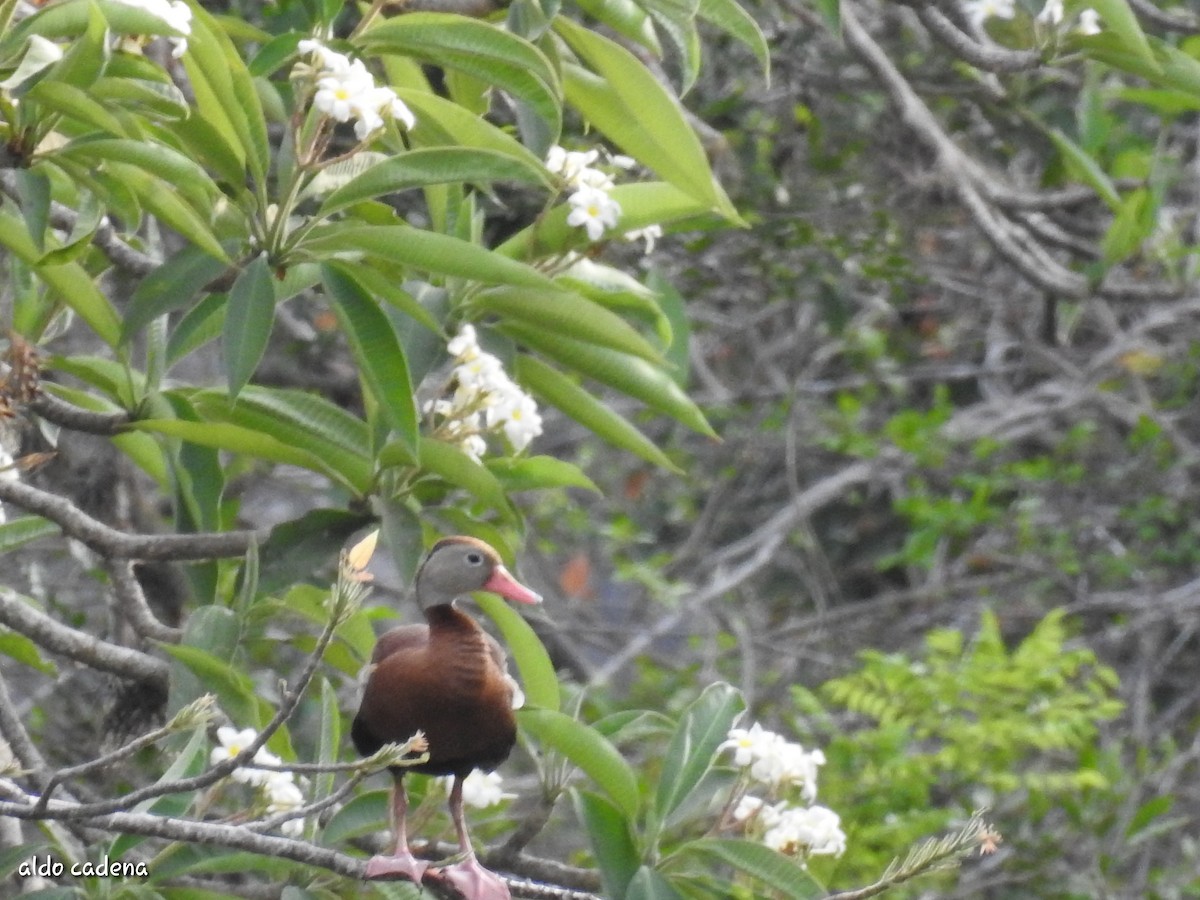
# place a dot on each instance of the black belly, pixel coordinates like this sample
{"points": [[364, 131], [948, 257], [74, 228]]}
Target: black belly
{"points": [[451, 755]]}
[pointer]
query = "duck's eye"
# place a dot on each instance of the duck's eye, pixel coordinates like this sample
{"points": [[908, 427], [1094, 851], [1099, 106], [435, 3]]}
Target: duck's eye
{"points": [[474, 558]]}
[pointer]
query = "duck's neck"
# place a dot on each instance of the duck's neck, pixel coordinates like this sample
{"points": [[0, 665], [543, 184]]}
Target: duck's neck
{"points": [[458, 641]]}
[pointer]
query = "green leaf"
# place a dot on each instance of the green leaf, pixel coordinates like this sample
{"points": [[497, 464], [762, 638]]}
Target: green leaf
{"points": [[1120, 21], [783, 875], [248, 323], [1081, 164], [69, 282], [362, 815], [160, 198], [446, 124], [1133, 224], [649, 203], [238, 439], [451, 464], [330, 744], [376, 348], [171, 285], [631, 375], [379, 285], [75, 103], [622, 99], [527, 473], [612, 841], [478, 49], [299, 547], [440, 165], [538, 679], [172, 167], [23, 650], [203, 323], [162, 99], [626, 18], [33, 191], [555, 388], [732, 18], [585, 748], [649, 884], [225, 91], [20, 531], [567, 314], [703, 726], [421, 250]]}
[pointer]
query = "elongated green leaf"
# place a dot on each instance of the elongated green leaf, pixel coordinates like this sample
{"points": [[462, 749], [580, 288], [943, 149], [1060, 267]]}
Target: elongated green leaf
{"points": [[228, 92], [478, 49], [234, 689], [160, 198], [162, 99], [781, 874], [180, 171], [330, 744], [693, 749], [440, 165], [445, 123], [1081, 164], [18, 532], [450, 464], [248, 323], [422, 250], [555, 388], [70, 283], [732, 18], [305, 421], [379, 285], [633, 109], [612, 841], [172, 285], [650, 884], [567, 314], [649, 203], [538, 679], [202, 324], [628, 374], [585, 748], [376, 348], [75, 103], [237, 439], [1134, 223], [1120, 21], [626, 18], [534, 472], [21, 649], [365, 814]]}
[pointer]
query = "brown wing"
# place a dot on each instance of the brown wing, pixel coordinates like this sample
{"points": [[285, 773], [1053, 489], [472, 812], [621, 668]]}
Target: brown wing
{"points": [[404, 637]]}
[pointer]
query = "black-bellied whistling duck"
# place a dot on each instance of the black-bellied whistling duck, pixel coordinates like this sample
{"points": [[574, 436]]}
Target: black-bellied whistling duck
{"points": [[447, 679]]}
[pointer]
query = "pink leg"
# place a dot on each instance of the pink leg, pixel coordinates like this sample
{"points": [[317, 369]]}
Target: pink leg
{"points": [[401, 864], [468, 876]]}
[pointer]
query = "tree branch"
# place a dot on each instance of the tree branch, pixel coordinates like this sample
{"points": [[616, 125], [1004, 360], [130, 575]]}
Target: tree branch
{"points": [[78, 645], [110, 543], [133, 603]]}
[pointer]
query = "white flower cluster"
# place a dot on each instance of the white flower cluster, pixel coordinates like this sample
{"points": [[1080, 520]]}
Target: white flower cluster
{"points": [[278, 788], [485, 399], [1053, 12], [979, 11], [592, 208], [783, 766], [175, 13], [346, 90], [480, 789]]}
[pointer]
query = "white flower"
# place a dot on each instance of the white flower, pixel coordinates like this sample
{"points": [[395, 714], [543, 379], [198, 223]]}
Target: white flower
{"points": [[748, 744], [340, 91], [464, 345], [1052, 13], [481, 789], [517, 413], [812, 830], [979, 11], [231, 742], [283, 796], [650, 234], [346, 89], [1089, 22], [799, 768], [329, 60], [177, 16], [593, 209], [474, 446], [570, 164]]}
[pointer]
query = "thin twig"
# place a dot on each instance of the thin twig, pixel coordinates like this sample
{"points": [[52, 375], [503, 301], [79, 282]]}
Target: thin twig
{"points": [[133, 604]]}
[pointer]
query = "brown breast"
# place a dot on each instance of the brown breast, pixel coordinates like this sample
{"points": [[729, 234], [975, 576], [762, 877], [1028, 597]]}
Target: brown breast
{"points": [[443, 680]]}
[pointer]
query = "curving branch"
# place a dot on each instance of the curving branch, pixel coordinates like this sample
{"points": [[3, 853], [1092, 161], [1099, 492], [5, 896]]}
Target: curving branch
{"points": [[132, 600], [75, 418], [110, 543], [78, 645], [988, 57]]}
